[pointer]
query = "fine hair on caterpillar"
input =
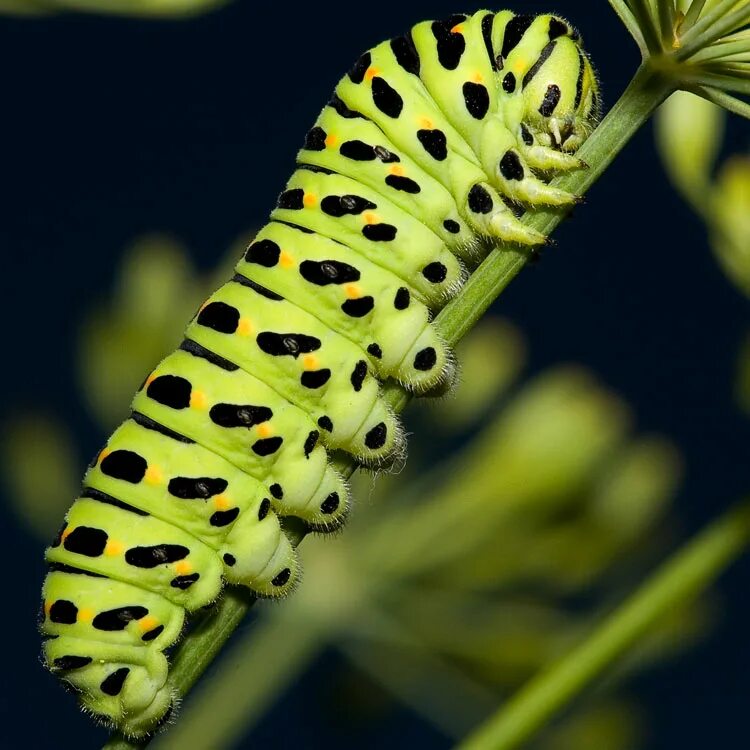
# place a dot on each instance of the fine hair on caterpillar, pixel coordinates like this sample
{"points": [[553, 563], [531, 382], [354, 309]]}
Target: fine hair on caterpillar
{"points": [[425, 155]]}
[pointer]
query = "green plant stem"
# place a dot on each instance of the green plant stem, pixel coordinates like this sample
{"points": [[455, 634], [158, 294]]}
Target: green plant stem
{"points": [[644, 94], [681, 578]]}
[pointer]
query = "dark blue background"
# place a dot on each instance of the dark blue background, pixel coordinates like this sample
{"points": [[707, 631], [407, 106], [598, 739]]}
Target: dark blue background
{"points": [[111, 128]]}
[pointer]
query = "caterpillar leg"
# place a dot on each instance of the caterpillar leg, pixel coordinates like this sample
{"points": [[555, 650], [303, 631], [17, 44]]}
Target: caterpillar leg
{"points": [[546, 159]]}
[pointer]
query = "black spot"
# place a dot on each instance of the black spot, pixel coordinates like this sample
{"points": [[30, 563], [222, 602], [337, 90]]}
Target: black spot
{"points": [[263, 509], [239, 415], [292, 344], [406, 184], [152, 634], [263, 253], [358, 70], [487, 37], [118, 619], [316, 139], [379, 232], [402, 298], [223, 517], [310, 442], [358, 308], [341, 205], [112, 685], [151, 424], [238, 278], [292, 199], [425, 359], [330, 504], [406, 53], [386, 156], [125, 465], [515, 29], [509, 83], [557, 28], [155, 555], [375, 438], [375, 351], [534, 69], [526, 136], [267, 446], [579, 79], [315, 168], [85, 540], [170, 390], [62, 568], [64, 612], [434, 143], [452, 226], [220, 317], [315, 378], [197, 488], [103, 497], [359, 373], [326, 272], [198, 350], [282, 577], [450, 45], [230, 560], [386, 98], [477, 99], [510, 166], [435, 272], [71, 662], [58, 537], [184, 582], [480, 201], [325, 423], [341, 108], [276, 491], [357, 150], [550, 101]]}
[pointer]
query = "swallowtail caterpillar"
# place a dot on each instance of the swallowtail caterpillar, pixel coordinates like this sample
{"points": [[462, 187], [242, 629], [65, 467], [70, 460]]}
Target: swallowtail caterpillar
{"points": [[431, 144]]}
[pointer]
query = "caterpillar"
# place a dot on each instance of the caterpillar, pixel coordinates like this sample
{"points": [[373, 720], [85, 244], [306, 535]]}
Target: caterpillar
{"points": [[431, 146]]}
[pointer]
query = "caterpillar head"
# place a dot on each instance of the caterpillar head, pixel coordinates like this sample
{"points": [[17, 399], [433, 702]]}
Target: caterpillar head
{"points": [[560, 91]]}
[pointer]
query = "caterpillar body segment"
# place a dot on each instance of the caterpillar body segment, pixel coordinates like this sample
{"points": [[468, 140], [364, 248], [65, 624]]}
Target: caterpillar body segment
{"points": [[430, 148]]}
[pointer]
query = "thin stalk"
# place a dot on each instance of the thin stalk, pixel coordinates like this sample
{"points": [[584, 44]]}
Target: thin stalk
{"points": [[718, 81], [644, 94], [693, 14], [723, 51], [667, 18], [680, 579], [712, 26], [647, 22], [729, 102], [631, 24]]}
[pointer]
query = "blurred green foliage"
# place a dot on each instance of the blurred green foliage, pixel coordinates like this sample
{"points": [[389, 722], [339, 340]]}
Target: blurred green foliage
{"points": [[145, 8]]}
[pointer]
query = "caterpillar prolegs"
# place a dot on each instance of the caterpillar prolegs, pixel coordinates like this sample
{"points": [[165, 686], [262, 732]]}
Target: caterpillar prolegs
{"points": [[433, 142]]}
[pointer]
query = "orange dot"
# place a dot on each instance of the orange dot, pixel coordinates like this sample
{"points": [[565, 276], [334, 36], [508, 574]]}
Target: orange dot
{"points": [[149, 622], [65, 534], [221, 502], [105, 452], [198, 400], [154, 475], [426, 123], [353, 291], [369, 217], [478, 77], [85, 615], [150, 379], [114, 548], [397, 169], [371, 72], [309, 200], [310, 362], [245, 327], [183, 567], [458, 29], [47, 608], [330, 140], [286, 260], [265, 430]]}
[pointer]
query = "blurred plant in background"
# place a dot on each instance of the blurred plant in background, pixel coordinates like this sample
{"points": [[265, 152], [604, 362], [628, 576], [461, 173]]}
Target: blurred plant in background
{"points": [[145, 8], [458, 579], [719, 195]]}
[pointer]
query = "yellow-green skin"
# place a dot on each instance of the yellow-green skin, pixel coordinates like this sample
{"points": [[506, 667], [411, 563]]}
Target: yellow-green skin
{"points": [[428, 147]]}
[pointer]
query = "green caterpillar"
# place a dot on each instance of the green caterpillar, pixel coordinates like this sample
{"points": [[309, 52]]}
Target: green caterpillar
{"points": [[431, 144]]}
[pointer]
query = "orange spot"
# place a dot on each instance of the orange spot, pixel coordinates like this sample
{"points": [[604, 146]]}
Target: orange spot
{"points": [[154, 475], [221, 502], [114, 548], [425, 123], [286, 260], [478, 77], [369, 217], [245, 327], [85, 615], [183, 567], [397, 169], [310, 362], [65, 534], [200, 309], [105, 452], [150, 379], [458, 29], [353, 291], [330, 140], [198, 400], [149, 622], [309, 200], [47, 608], [371, 72], [265, 430]]}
